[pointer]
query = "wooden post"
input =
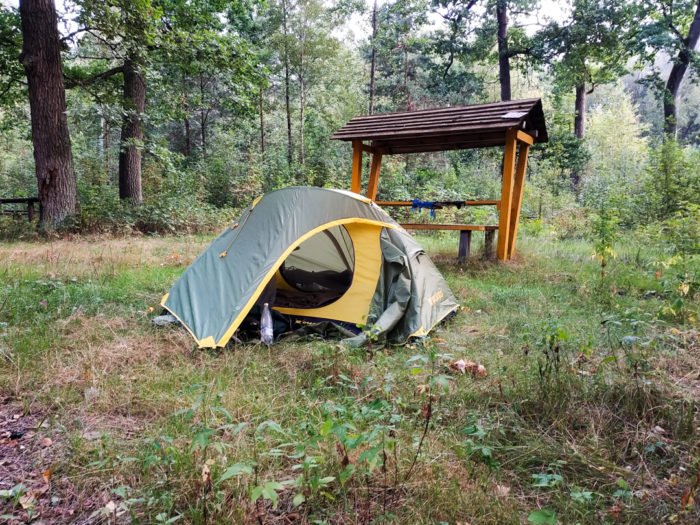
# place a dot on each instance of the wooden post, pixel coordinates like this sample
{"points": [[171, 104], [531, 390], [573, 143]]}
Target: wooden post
{"points": [[356, 184], [465, 243], [374, 173], [506, 194], [488, 244], [523, 150]]}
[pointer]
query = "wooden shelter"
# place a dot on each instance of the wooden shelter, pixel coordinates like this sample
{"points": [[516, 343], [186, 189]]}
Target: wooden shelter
{"points": [[515, 124]]}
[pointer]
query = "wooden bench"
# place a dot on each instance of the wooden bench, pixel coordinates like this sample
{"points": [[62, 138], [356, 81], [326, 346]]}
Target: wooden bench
{"points": [[29, 201], [465, 235]]}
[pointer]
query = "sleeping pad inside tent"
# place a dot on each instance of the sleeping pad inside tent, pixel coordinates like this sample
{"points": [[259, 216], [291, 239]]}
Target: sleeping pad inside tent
{"points": [[315, 255]]}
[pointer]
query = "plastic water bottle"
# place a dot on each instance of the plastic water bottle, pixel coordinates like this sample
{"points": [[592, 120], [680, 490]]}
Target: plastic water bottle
{"points": [[266, 332]]}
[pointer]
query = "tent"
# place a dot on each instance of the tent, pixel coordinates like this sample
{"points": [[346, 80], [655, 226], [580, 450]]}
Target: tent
{"points": [[314, 255]]}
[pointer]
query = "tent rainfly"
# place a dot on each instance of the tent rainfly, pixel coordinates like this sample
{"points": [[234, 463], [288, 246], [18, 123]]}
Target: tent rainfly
{"points": [[314, 255]]}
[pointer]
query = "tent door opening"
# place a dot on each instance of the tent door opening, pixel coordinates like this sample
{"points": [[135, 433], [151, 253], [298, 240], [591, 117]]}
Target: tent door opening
{"points": [[318, 272]]}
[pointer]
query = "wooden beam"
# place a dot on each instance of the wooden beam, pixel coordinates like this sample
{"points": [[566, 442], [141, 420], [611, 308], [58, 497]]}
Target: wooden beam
{"points": [[374, 174], [356, 184], [461, 227], [488, 244], [524, 137], [506, 195], [464, 203], [452, 146], [520, 170], [465, 243]]}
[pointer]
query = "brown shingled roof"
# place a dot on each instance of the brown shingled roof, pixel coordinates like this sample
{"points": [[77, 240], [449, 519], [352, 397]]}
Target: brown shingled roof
{"points": [[461, 127]]}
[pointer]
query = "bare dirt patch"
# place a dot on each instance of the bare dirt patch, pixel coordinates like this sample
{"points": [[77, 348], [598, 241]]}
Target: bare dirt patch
{"points": [[31, 454]]}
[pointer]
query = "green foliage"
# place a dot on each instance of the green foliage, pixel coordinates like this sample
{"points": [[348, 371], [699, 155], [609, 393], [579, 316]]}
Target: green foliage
{"points": [[592, 47], [674, 178], [605, 231], [543, 516], [11, 71], [176, 208]]}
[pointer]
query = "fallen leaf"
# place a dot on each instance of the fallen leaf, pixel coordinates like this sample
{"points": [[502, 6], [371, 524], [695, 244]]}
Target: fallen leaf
{"points": [[614, 512], [38, 492], [502, 491], [47, 475], [206, 474], [27, 500], [688, 498]]}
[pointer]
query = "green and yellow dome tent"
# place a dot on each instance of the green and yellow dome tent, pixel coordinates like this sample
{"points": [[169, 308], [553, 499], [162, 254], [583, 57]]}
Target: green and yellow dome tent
{"points": [[314, 255]]}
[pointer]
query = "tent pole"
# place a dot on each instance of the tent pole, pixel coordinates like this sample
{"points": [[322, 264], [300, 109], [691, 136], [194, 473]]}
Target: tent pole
{"points": [[356, 185], [506, 195]]}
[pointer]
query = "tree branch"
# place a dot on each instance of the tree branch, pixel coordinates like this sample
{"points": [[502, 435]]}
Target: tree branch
{"points": [[69, 36], [72, 82]]}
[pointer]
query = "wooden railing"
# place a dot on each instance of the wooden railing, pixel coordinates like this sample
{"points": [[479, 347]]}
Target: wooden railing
{"points": [[29, 211], [465, 230]]}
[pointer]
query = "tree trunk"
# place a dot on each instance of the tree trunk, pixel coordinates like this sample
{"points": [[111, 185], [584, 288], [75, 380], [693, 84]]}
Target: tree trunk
{"points": [[675, 78], [302, 94], [579, 131], [186, 119], [287, 101], [262, 126], [132, 133], [106, 148], [203, 116], [188, 139], [407, 91], [503, 56], [580, 118], [41, 58], [373, 65]]}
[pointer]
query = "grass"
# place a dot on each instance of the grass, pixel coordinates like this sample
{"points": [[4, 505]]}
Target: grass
{"points": [[588, 413]]}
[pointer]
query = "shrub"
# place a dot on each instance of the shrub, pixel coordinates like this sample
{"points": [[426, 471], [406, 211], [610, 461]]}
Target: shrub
{"points": [[571, 224]]}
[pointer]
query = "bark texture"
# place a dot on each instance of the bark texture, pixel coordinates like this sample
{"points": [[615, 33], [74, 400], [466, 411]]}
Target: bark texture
{"points": [[41, 58], [678, 71], [503, 53], [580, 118], [132, 133], [373, 64], [287, 97], [579, 131], [262, 124]]}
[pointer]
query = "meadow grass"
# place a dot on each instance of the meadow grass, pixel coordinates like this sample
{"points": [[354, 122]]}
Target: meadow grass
{"points": [[588, 412]]}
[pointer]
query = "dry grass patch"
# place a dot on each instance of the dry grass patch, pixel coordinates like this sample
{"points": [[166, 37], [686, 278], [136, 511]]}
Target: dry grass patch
{"points": [[94, 257]]}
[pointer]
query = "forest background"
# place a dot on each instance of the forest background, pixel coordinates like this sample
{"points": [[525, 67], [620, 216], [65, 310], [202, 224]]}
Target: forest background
{"points": [[179, 112], [133, 120]]}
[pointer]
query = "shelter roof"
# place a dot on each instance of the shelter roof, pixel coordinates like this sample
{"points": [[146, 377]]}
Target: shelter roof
{"points": [[459, 127]]}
